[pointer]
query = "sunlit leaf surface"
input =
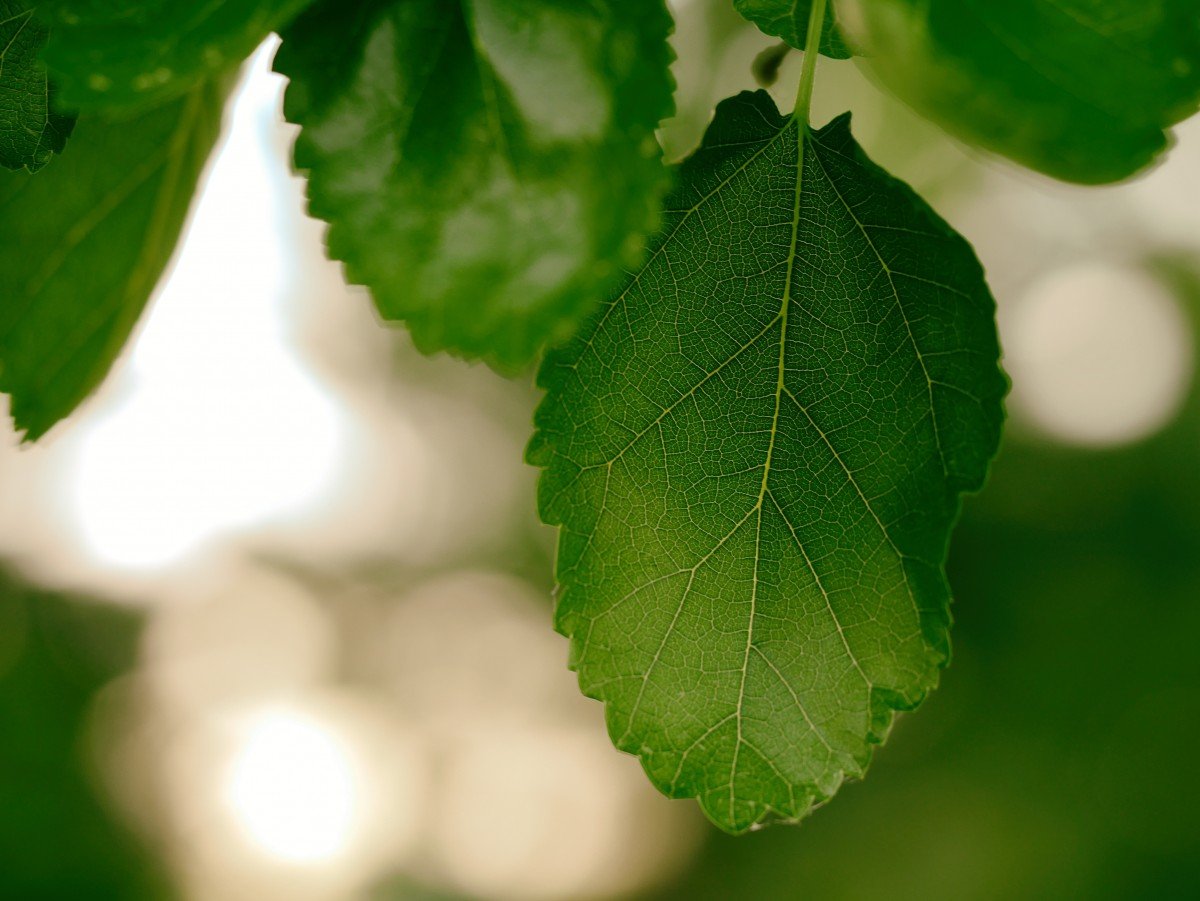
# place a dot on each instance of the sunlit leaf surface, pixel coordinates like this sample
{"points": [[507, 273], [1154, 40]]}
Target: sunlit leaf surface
{"points": [[756, 452]]}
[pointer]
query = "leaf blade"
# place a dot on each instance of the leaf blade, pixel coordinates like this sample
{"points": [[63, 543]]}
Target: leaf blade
{"points": [[106, 219], [788, 21], [1081, 90], [486, 167], [113, 55], [31, 129], [693, 441]]}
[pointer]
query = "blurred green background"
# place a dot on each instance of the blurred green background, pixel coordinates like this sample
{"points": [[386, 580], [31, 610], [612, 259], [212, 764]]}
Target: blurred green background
{"points": [[279, 628]]}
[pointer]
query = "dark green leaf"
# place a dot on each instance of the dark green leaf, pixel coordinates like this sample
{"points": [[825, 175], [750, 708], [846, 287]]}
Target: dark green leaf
{"points": [[487, 167], [83, 244], [1079, 89], [765, 67], [58, 838], [30, 130], [788, 20], [121, 54], [756, 452]]}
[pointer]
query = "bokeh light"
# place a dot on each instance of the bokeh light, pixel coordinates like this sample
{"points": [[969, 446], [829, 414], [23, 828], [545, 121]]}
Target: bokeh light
{"points": [[216, 425], [471, 661], [293, 788], [1099, 354]]}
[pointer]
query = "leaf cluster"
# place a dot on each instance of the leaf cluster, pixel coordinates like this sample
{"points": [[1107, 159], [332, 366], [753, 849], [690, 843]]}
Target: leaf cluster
{"points": [[770, 372]]}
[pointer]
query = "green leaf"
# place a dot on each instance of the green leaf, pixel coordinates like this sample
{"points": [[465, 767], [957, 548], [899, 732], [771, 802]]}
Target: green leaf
{"points": [[487, 167], [756, 452], [1079, 89], [788, 20], [125, 55], [83, 244], [31, 132]]}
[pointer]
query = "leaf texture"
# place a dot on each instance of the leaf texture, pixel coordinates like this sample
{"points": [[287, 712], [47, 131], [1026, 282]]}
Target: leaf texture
{"points": [[788, 21], [31, 130], [83, 244], [119, 55], [755, 452], [1083, 90], [486, 166]]}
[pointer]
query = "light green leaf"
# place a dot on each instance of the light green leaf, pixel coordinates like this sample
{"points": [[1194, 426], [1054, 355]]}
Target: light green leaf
{"points": [[788, 20], [83, 244], [122, 54], [487, 166], [756, 452], [1083, 90], [31, 132]]}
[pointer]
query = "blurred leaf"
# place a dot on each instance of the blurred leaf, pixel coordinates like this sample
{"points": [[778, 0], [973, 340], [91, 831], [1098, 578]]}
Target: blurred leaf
{"points": [[121, 55], [486, 167], [30, 131], [755, 453], [1079, 89], [83, 244], [765, 67], [56, 840], [788, 20]]}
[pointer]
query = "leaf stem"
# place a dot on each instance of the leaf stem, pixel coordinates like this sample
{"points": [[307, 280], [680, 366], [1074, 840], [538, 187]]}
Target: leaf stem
{"points": [[812, 43]]}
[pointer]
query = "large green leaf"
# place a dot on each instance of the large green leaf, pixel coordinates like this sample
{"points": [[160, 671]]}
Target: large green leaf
{"points": [[756, 452], [788, 20], [1079, 89], [127, 54], [30, 130], [83, 244], [487, 166]]}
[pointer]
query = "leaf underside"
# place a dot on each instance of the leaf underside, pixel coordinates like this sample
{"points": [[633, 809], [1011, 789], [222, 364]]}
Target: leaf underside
{"points": [[486, 167], [83, 244], [788, 21], [755, 453], [31, 131], [1083, 90], [117, 55]]}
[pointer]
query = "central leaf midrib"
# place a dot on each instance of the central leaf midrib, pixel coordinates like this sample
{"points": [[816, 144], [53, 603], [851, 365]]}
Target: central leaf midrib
{"points": [[764, 489], [780, 317], [803, 134], [784, 306]]}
